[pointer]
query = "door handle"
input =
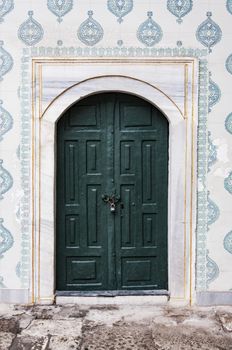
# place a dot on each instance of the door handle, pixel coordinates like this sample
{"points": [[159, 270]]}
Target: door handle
{"points": [[111, 200]]}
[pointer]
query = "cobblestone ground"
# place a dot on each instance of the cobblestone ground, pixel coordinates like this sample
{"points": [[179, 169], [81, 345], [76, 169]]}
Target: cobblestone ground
{"points": [[114, 327]]}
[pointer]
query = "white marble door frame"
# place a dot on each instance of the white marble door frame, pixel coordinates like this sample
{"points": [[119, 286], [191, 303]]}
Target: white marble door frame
{"points": [[170, 85]]}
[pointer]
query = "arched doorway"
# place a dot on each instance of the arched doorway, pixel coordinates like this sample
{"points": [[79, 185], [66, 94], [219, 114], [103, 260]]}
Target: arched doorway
{"points": [[112, 195]]}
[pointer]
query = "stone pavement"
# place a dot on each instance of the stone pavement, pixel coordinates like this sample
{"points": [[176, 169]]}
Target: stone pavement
{"points": [[114, 327]]}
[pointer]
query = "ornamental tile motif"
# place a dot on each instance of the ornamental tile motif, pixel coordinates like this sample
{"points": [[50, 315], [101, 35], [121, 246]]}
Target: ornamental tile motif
{"points": [[228, 183], [5, 7], [30, 31], [6, 239], [228, 242], [213, 211], [60, 7], [212, 157], [6, 121], [90, 31], [149, 32], [229, 64], [212, 270], [18, 151], [229, 6], [18, 269], [209, 33], [6, 180], [179, 8], [214, 93], [120, 8], [2, 285], [6, 61], [228, 123]]}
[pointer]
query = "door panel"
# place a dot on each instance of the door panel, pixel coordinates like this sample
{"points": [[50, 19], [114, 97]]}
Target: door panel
{"points": [[81, 218], [112, 143]]}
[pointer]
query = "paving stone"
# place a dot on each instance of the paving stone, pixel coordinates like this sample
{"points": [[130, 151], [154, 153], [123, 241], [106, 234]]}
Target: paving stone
{"points": [[68, 328], [188, 338], [115, 327], [6, 340], [119, 337], [29, 343], [226, 320], [10, 324], [64, 343]]}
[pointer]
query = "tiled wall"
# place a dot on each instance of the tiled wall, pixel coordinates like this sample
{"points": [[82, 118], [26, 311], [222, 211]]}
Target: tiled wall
{"points": [[117, 23]]}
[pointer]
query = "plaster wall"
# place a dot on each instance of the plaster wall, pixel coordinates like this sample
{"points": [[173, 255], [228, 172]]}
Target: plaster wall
{"points": [[63, 30]]}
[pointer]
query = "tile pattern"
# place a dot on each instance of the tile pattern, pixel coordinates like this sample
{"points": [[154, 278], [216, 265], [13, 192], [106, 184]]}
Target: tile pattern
{"points": [[212, 270], [60, 8], [227, 242], [229, 64], [2, 285], [18, 269], [202, 195], [5, 7], [214, 93], [228, 183], [6, 121], [212, 155], [90, 31], [228, 123], [179, 8], [6, 241], [229, 6], [30, 31], [6, 180], [6, 61], [149, 32], [25, 168], [120, 8], [213, 211], [209, 33]]}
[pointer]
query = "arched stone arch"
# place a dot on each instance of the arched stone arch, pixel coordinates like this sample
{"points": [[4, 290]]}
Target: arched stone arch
{"points": [[180, 199]]}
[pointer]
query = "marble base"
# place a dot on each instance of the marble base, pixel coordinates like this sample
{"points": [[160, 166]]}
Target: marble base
{"points": [[119, 300], [214, 298], [14, 296]]}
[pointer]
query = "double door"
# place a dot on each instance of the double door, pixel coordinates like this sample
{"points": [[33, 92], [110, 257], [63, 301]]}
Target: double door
{"points": [[111, 194]]}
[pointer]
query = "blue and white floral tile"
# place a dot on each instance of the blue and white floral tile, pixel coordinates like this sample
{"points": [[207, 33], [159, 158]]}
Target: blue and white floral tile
{"points": [[149, 32], [6, 239], [212, 152], [227, 242], [212, 269], [209, 32], [6, 6], [6, 60], [179, 8], [120, 8], [10, 239], [90, 32], [30, 32], [228, 123], [60, 8]]}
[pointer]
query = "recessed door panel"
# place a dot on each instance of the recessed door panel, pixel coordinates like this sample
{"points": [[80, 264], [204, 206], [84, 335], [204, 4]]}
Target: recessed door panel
{"points": [[112, 178]]}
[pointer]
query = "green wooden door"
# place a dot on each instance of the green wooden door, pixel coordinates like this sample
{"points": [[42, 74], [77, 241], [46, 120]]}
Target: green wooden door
{"points": [[112, 144]]}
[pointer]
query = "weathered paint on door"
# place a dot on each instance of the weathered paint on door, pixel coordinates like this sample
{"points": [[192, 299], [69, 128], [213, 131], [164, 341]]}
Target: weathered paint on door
{"points": [[112, 144]]}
